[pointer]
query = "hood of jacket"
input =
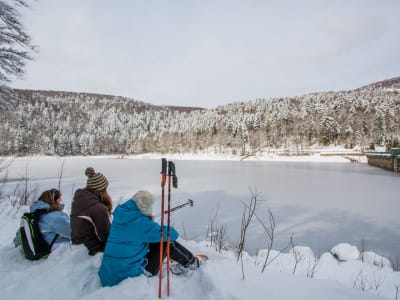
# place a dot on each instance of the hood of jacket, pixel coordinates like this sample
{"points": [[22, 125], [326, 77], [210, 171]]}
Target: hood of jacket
{"points": [[39, 204], [83, 199], [127, 212]]}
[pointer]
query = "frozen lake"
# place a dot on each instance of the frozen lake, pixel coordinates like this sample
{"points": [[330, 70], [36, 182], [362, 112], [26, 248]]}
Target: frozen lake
{"points": [[321, 204]]}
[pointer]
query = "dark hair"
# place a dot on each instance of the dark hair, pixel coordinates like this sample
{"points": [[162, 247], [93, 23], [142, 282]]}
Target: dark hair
{"points": [[50, 197]]}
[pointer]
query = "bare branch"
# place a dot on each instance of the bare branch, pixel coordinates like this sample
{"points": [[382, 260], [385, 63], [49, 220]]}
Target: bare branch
{"points": [[15, 43], [298, 257], [60, 175], [247, 216]]}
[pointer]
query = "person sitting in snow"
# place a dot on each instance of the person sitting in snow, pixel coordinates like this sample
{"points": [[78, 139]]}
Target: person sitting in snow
{"points": [[55, 222], [133, 246], [91, 213]]}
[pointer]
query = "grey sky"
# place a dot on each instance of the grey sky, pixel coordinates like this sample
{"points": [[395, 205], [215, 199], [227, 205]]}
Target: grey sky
{"points": [[208, 53]]}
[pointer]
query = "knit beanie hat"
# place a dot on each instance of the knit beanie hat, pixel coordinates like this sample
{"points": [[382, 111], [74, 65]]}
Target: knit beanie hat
{"points": [[95, 181], [144, 200]]}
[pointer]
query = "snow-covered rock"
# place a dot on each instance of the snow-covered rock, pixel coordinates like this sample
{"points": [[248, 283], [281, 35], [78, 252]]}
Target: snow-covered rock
{"points": [[345, 252], [375, 259]]}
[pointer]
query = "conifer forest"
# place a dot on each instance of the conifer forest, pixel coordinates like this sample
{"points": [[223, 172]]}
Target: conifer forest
{"points": [[65, 123]]}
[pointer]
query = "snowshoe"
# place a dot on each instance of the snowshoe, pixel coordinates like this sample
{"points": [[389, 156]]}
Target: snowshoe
{"points": [[178, 269]]}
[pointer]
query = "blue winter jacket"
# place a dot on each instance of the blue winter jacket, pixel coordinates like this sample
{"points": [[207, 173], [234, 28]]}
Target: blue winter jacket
{"points": [[128, 243], [50, 224]]}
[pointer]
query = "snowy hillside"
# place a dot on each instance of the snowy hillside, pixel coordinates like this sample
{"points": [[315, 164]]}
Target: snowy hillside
{"points": [[57, 123], [69, 273]]}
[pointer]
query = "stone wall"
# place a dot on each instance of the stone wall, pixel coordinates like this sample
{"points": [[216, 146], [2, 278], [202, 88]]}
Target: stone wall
{"points": [[385, 161]]}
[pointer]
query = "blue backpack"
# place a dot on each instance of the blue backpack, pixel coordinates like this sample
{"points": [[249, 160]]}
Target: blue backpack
{"points": [[33, 244]]}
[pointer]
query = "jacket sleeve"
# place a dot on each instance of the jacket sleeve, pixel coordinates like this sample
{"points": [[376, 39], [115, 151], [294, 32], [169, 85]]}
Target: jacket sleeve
{"points": [[17, 240], [102, 223], [62, 226], [152, 232]]}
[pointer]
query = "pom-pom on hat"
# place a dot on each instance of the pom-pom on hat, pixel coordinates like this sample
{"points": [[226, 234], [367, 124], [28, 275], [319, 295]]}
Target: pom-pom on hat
{"points": [[144, 200], [95, 181]]}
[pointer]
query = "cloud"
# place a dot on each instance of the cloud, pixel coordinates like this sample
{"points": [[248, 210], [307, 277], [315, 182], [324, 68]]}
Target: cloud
{"points": [[210, 52], [350, 31]]}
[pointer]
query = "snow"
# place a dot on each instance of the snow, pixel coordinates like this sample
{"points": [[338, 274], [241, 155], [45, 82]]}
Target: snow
{"points": [[70, 273], [316, 154], [345, 252], [375, 259]]}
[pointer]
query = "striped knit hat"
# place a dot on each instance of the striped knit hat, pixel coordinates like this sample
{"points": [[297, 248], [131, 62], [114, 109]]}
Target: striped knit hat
{"points": [[95, 181]]}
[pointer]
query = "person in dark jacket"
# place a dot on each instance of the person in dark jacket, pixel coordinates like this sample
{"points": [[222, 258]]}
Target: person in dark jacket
{"points": [[91, 213], [133, 246]]}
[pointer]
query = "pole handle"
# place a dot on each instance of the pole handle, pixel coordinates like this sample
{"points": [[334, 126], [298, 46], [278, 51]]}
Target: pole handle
{"points": [[172, 172]]}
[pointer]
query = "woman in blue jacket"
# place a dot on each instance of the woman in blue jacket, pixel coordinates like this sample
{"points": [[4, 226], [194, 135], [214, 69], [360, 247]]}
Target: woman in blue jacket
{"points": [[53, 223], [133, 245]]}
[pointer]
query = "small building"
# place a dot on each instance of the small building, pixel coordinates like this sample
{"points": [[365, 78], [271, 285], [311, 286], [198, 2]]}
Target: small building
{"points": [[386, 160]]}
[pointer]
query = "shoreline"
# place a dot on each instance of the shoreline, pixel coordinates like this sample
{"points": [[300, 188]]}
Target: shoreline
{"points": [[319, 157]]}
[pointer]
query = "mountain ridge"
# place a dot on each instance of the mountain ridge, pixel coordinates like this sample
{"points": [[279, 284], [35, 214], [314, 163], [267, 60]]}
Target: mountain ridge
{"points": [[387, 83], [393, 83]]}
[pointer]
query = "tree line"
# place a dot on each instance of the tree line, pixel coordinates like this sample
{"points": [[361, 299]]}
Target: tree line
{"points": [[61, 123]]}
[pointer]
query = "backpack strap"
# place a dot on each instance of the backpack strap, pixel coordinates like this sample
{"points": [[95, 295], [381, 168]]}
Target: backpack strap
{"points": [[43, 211], [54, 240]]}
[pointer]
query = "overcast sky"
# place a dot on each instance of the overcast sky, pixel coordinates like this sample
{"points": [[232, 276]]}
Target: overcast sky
{"points": [[209, 52]]}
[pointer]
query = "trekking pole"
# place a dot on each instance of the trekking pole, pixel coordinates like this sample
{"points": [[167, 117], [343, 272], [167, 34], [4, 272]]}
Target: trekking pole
{"points": [[163, 177], [190, 202], [171, 176]]}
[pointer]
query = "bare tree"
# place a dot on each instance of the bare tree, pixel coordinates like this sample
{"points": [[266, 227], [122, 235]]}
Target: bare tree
{"points": [[211, 226], [361, 282], [25, 197], [220, 238], [298, 257], [247, 216], [60, 175], [363, 248], [217, 233], [15, 44], [395, 263], [4, 164], [379, 279], [23, 194], [312, 267], [270, 231]]}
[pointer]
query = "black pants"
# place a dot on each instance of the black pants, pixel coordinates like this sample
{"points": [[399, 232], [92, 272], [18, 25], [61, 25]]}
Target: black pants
{"points": [[177, 252]]}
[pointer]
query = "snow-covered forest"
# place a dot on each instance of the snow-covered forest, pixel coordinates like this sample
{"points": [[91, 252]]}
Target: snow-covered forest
{"points": [[64, 123]]}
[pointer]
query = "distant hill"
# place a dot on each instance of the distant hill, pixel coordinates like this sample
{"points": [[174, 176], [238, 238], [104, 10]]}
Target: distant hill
{"points": [[393, 83], [28, 94], [66, 123]]}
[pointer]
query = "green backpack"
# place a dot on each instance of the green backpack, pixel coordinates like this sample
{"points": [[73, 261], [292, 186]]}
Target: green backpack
{"points": [[33, 243]]}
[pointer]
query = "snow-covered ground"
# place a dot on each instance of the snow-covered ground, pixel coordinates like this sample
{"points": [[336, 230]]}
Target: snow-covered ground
{"points": [[326, 154], [69, 273]]}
